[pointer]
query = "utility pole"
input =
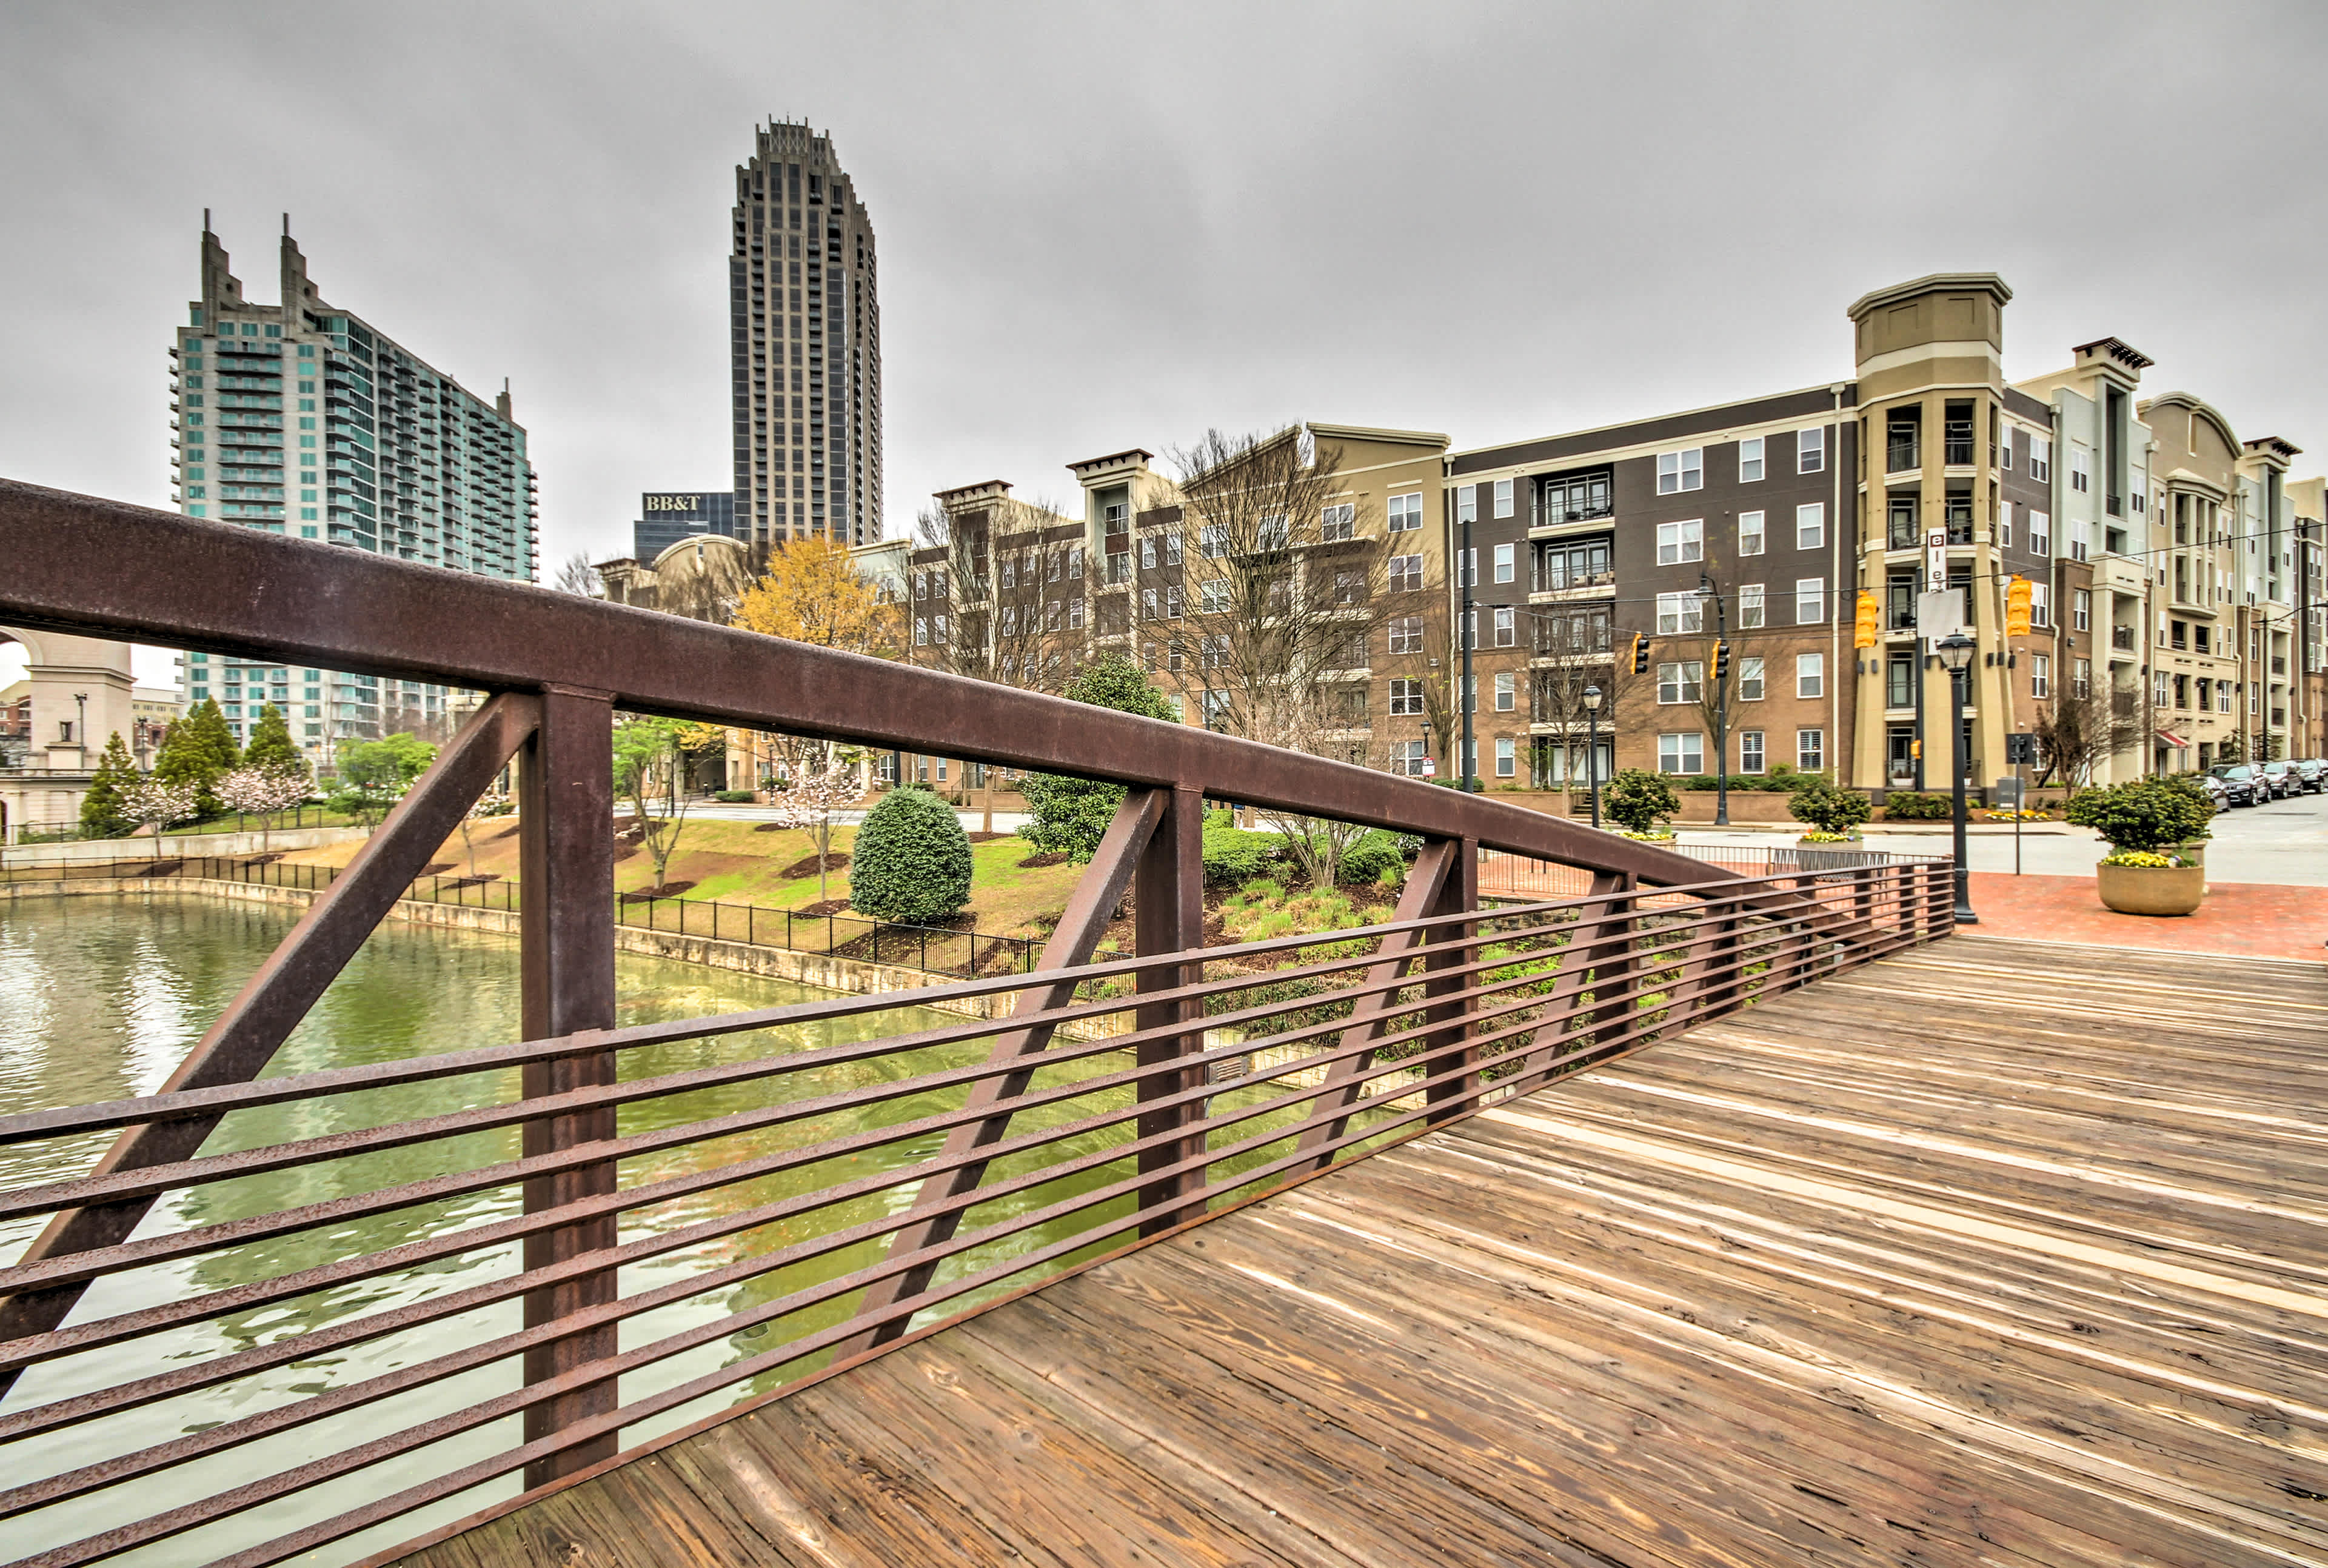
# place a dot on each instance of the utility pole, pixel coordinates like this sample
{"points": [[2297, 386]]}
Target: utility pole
{"points": [[1465, 570], [1706, 590]]}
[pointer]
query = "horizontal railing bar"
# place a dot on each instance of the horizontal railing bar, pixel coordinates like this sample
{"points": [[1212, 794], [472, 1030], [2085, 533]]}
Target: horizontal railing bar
{"points": [[77, 1191], [67, 1120], [185, 1244], [248, 1361]]}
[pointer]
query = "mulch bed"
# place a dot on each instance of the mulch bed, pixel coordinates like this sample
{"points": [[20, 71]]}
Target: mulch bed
{"points": [[1034, 862], [623, 851], [480, 878], [771, 828], [648, 894], [263, 859], [439, 867], [988, 838], [830, 907], [798, 868]]}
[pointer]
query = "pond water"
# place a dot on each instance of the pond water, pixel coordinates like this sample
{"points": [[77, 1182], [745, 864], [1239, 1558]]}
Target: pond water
{"points": [[100, 998]]}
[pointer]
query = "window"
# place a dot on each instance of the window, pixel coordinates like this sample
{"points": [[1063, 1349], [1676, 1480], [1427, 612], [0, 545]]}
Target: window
{"points": [[2041, 604], [1148, 604], [1750, 751], [1214, 540], [1467, 568], [1810, 450], [2081, 464], [1810, 525], [1750, 680], [2082, 610], [1750, 606], [1148, 553], [1680, 541], [1336, 523], [1010, 619], [2005, 526], [2040, 457], [1507, 684], [1405, 574], [1406, 757], [1405, 634], [2040, 533], [1058, 564], [2005, 448], [1810, 675], [1466, 503], [1810, 750], [1406, 699], [1749, 533], [1680, 612], [1172, 549], [1172, 601], [921, 632], [1681, 682], [1405, 513], [1506, 562], [1749, 460], [1507, 631], [1680, 753], [1075, 613], [1577, 498], [1810, 601], [1275, 533], [1215, 599], [1681, 471], [1503, 498], [2041, 676], [1507, 756]]}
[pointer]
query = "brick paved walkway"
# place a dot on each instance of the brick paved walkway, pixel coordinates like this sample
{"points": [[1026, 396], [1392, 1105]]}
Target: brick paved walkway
{"points": [[2248, 919]]}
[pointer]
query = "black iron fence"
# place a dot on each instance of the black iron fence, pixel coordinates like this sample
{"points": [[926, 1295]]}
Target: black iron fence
{"points": [[934, 949]]}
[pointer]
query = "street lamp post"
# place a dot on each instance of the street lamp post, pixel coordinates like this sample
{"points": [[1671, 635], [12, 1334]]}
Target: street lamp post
{"points": [[1956, 651], [1466, 570], [1593, 748]]}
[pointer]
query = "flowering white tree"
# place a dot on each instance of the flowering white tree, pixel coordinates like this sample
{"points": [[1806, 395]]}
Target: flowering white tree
{"points": [[152, 801], [261, 791], [810, 803]]}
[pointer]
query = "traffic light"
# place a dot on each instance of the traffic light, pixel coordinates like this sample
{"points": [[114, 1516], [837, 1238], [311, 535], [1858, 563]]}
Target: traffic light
{"points": [[2016, 607], [1864, 633], [1641, 654], [1721, 661]]}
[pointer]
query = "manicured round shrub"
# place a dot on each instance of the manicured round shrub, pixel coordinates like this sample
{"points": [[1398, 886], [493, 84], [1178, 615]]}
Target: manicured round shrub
{"points": [[1639, 800], [1828, 808], [2144, 814], [911, 861], [1375, 854], [1234, 856]]}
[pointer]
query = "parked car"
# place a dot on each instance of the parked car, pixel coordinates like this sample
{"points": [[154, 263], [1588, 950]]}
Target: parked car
{"points": [[2241, 784], [2281, 779], [2313, 773]]}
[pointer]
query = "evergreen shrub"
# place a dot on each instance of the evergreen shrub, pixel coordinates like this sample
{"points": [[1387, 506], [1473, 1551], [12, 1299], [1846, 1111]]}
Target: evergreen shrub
{"points": [[911, 861]]}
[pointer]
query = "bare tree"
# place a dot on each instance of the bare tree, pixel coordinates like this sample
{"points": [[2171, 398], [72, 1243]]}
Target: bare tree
{"points": [[2079, 730], [1284, 587], [577, 575], [1014, 601]]}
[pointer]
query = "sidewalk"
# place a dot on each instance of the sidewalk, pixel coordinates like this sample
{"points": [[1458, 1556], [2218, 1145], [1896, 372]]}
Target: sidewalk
{"points": [[2245, 919]]}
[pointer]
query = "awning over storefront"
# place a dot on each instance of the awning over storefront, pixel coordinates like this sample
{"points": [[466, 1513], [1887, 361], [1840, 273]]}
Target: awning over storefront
{"points": [[2170, 739]]}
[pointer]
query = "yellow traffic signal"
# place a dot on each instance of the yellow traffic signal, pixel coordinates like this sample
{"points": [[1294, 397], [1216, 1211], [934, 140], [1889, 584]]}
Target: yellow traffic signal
{"points": [[1640, 654], [1721, 661], [1863, 632], [2016, 607]]}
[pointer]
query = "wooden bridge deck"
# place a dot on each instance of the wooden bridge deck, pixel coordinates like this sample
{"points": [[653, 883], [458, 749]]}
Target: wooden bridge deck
{"points": [[1993, 1252]]}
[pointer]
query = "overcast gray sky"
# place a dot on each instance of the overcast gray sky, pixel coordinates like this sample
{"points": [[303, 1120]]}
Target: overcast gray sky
{"points": [[1104, 226]]}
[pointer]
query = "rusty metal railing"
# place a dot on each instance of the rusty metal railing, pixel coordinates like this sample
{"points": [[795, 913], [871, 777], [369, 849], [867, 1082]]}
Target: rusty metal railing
{"points": [[579, 1255]]}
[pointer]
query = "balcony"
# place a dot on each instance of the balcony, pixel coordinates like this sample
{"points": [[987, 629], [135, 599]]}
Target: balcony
{"points": [[1901, 455], [1555, 586], [2122, 639], [2115, 505]]}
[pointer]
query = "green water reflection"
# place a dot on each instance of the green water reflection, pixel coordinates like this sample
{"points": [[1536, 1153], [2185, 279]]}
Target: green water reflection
{"points": [[100, 998]]}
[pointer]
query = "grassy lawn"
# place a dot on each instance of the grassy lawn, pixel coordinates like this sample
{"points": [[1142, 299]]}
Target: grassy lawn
{"points": [[733, 863]]}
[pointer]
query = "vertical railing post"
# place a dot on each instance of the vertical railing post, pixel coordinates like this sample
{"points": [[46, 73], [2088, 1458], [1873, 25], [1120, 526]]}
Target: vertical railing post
{"points": [[1168, 910], [1616, 959], [1450, 947], [566, 850]]}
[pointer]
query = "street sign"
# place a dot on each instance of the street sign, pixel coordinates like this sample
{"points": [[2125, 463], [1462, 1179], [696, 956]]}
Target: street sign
{"points": [[1936, 558], [2021, 748], [2008, 792], [1430, 768], [1940, 614]]}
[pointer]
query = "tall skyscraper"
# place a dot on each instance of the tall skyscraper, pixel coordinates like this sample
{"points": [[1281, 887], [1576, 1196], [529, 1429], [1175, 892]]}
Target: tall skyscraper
{"points": [[806, 342], [299, 417]]}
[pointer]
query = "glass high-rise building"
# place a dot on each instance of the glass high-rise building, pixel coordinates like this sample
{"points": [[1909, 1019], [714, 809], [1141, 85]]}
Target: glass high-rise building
{"points": [[301, 418], [806, 346]]}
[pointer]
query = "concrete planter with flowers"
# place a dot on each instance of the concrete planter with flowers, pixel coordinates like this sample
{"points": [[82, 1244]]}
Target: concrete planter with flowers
{"points": [[2151, 825]]}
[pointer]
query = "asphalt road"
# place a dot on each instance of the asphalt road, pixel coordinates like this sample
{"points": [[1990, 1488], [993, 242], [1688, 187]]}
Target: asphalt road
{"points": [[2284, 841]]}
